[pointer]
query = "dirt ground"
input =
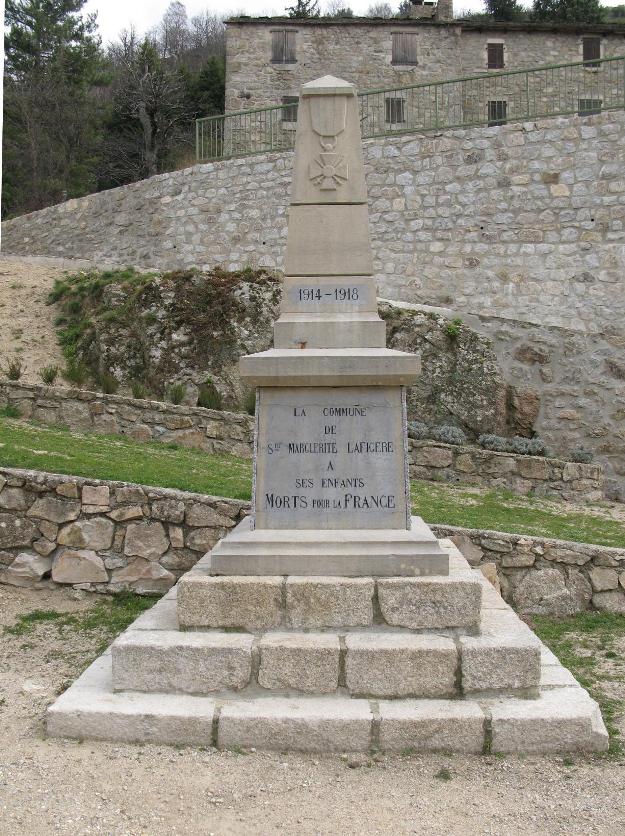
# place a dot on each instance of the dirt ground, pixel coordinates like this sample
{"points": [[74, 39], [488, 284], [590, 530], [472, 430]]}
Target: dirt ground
{"points": [[62, 787], [26, 322]]}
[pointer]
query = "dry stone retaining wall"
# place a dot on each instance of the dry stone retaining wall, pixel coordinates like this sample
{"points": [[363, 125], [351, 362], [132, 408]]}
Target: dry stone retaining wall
{"points": [[523, 220], [543, 576], [210, 430], [226, 432], [108, 536], [104, 536], [522, 474]]}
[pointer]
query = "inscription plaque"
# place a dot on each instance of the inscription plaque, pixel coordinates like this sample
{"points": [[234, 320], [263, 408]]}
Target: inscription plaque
{"points": [[331, 458]]}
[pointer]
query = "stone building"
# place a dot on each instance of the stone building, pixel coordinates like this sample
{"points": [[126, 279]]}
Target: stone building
{"points": [[268, 59]]}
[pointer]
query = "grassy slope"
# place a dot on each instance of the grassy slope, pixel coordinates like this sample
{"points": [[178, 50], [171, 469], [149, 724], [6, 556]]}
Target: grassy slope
{"points": [[115, 457]]}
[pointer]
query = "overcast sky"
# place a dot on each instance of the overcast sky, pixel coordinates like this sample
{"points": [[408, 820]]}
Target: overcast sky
{"points": [[115, 15]]}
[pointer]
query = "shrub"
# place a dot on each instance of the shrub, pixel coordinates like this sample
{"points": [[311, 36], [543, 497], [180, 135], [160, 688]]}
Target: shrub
{"points": [[581, 455], [448, 435], [209, 396], [176, 393], [249, 402], [519, 445], [76, 372], [138, 390], [497, 443], [10, 411], [452, 329], [418, 430], [108, 383], [537, 447], [14, 369], [49, 374]]}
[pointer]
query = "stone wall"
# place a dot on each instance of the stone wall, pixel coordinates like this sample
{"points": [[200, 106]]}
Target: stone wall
{"points": [[109, 536], [569, 481], [228, 432], [104, 536], [360, 50], [544, 576], [522, 221], [210, 430]]}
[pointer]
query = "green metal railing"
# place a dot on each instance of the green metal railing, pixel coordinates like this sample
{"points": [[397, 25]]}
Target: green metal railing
{"points": [[487, 99]]}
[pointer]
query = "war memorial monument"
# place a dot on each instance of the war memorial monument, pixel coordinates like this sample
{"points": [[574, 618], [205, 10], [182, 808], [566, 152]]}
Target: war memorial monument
{"points": [[331, 619]]}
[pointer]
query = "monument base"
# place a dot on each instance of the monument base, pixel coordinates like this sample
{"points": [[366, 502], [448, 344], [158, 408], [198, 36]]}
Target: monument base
{"points": [[335, 553]]}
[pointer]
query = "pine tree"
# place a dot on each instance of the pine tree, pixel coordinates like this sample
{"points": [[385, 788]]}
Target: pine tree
{"points": [[303, 9]]}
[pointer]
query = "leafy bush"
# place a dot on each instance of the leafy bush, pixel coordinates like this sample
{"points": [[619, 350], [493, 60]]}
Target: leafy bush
{"points": [[448, 435], [418, 430], [249, 402], [176, 393], [108, 383], [49, 374], [76, 372], [581, 455], [138, 390], [14, 369], [209, 396], [497, 443]]}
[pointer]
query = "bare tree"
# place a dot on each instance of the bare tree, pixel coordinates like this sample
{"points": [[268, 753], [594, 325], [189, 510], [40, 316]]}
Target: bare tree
{"points": [[380, 10], [173, 33]]}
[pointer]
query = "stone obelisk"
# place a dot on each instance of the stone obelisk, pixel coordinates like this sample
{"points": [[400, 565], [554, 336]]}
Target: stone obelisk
{"points": [[331, 494]]}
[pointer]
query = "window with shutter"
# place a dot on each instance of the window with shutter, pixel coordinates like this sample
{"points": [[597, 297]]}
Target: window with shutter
{"points": [[289, 114], [404, 48], [394, 110], [497, 112], [591, 52], [494, 54], [586, 107], [283, 46]]}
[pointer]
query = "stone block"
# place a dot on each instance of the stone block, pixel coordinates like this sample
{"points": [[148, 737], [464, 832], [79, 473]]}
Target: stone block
{"points": [[603, 578], [560, 720], [400, 665], [202, 539], [44, 547], [611, 601], [133, 512], [96, 495], [168, 510], [203, 516], [16, 531], [79, 566], [147, 540], [428, 603], [54, 510], [301, 661], [143, 576], [68, 490], [329, 602], [491, 663], [13, 499], [27, 570], [89, 710], [189, 663], [433, 456], [95, 533], [472, 552], [305, 724], [431, 726], [248, 603]]}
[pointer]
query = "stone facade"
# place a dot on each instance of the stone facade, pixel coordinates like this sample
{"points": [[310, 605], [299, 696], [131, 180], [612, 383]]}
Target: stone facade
{"points": [[543, 576], [108, 536], [360, 50], [522, 474], [227, 432], [523, 221], [212, 431], [104, 536]]}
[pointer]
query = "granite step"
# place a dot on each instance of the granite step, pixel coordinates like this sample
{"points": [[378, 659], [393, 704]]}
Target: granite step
{"points": [[562, 719]]}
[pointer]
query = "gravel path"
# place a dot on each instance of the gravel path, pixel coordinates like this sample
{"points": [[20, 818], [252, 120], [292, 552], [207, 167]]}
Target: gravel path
{"points": [[63, 787]]}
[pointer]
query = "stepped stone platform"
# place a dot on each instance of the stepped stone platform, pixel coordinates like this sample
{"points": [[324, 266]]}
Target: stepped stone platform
{"points": [[315, 664]]}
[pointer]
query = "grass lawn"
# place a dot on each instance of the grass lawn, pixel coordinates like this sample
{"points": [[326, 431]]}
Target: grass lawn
{"points": [[592, 646], [57, 450]]}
